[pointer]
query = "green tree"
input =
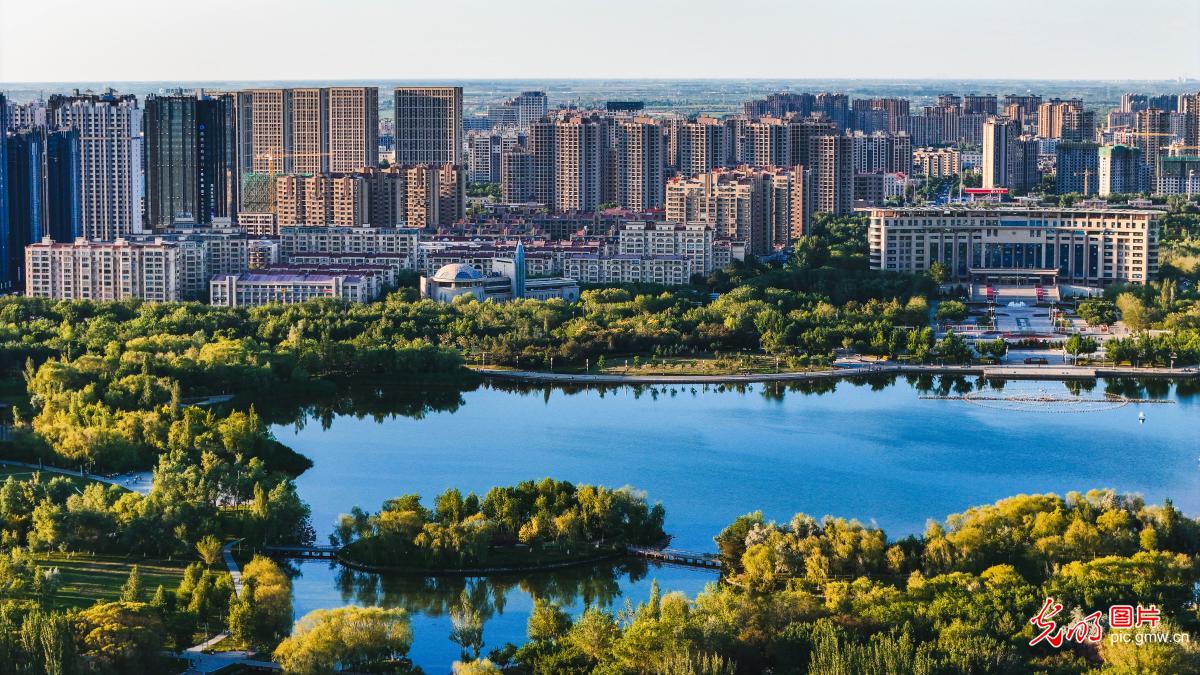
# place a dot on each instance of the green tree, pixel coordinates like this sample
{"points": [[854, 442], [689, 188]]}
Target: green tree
{"points": [[132, 590], [348, 637], [209, 549], [1134, 312], [119, 637], [547, 621]]}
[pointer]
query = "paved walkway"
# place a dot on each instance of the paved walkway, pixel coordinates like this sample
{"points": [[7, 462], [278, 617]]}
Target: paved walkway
{"points": [[139, 481], [199, 660]]}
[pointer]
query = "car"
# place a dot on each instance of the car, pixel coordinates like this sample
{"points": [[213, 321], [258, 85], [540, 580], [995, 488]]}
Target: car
{"points": [[1036, 361]]}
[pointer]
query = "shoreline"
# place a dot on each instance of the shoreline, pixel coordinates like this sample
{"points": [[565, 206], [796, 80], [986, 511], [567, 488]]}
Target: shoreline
{"points": [[1008, 372]]}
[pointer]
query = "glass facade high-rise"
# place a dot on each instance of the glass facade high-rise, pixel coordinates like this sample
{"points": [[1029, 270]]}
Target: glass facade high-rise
{"points": [[191, 165], [429, 127], [43, 193]]}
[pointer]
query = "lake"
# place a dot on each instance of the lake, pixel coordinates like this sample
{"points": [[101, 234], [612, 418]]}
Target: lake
{"points": [[890, 451]]}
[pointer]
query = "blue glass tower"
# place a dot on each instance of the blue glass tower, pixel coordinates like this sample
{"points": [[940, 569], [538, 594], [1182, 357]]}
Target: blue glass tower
{"points": [[519, 271]]}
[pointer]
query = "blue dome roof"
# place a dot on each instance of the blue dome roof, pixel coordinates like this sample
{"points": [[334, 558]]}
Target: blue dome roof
{"points": [[457, 272]]}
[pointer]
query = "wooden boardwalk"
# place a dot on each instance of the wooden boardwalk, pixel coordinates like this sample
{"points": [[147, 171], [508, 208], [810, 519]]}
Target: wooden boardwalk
{"points": [[675, 556]]}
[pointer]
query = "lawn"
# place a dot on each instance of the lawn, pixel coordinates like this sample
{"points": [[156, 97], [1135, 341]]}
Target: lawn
{"points": [[88, 578], [24, 473]]}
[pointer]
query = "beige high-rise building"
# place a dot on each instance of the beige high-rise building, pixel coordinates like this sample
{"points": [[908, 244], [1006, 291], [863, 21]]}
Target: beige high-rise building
{"points": [[110, 141], [705, 144], [417, 196], [1189, 105], [640, 159], [768, 142], [937, 162], [579, 151], [1066, 120], [353, 128], [270, 131], [760, 207], [310, 130], [428, 125], [831, 161]]}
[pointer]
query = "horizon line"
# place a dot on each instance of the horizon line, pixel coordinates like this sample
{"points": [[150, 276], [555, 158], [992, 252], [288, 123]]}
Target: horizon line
{"points": [[1175, 80]]}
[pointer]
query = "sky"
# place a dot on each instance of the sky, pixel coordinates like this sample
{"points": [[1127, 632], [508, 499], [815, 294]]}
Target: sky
{"points": [[127, 40]]}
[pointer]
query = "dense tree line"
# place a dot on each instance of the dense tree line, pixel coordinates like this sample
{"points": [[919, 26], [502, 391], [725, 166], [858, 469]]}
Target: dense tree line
{"points": [[545, 517], [835, 596]]}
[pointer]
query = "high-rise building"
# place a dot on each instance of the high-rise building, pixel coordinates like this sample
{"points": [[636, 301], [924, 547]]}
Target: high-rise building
{"points": [[882, 152], [705, 144], [778, 105], [190, 162], [835, 107], [484, 150], [999, 134], [937, 162], [1178, 174], [831, 161], [531, 107], [541, 147], [516, 176], [640, 150], [763, 208], [417, 196], [580, 171], [979, 104], [26, 115], [353, 128], [891, 108], [767, 143], [1077, 168], [1028, 104], [1066, 120], [1189, 105], [1152, 135], [308, 130], [1119, 168], [429, 127], [43, 193], [268, 117], [110, 160]]}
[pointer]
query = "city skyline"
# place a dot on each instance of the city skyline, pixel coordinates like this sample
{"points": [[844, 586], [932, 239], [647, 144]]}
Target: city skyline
{"points": [[799, 41]]}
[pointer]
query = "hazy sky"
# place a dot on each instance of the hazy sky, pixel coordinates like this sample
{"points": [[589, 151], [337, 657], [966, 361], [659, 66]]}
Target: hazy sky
{"points": [[113, 40]]}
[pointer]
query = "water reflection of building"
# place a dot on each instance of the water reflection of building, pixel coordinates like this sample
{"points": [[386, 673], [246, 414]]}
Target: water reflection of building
{"points": [[506, 282]]}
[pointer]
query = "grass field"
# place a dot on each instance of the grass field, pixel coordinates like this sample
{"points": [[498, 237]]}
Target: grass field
{"points": [[23, 473], [86, 579]]}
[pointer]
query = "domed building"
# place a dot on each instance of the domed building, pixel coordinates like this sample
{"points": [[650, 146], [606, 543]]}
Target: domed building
{"points": [[451, 281], [507, 281]]}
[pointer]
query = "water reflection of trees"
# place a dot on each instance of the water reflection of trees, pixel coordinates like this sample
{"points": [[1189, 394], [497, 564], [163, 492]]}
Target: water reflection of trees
{"points": [[378, 401], [323, 402], [588, 586]]}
